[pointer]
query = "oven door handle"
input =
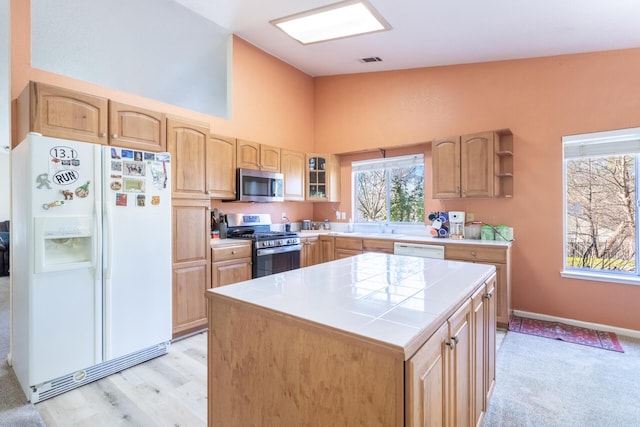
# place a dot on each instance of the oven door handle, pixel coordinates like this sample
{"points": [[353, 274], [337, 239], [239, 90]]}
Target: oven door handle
{"points": [[278, 250]]}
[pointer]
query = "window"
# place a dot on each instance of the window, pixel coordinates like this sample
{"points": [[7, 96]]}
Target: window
{"points": [[601, 205], [389, 189]]}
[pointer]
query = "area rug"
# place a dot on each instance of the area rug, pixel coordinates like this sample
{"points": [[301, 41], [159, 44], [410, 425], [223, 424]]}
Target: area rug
{"points": [[564, 332]]}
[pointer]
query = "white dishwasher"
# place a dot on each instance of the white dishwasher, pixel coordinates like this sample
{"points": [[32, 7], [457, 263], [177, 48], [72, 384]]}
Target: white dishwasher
{"points": [[416, 249]]}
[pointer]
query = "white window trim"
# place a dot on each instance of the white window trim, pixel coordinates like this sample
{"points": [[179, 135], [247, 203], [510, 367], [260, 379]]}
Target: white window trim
{"points": [[615, 142]]}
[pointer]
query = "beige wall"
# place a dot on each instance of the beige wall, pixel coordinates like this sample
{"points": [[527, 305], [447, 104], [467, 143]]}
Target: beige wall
{"points": [[540, 100]]}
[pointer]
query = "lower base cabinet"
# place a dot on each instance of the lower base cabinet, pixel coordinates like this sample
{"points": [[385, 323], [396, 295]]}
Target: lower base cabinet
{"points": [[450, 378], [230, 263], [339, 379], [311, 252]]}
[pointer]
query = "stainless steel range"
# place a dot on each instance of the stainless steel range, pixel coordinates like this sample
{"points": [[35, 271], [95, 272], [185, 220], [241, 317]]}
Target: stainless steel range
{"points": [[273, 251]]}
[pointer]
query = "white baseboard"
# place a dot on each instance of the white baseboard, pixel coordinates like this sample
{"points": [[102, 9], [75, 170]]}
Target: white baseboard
{"points": [[620, 331]]}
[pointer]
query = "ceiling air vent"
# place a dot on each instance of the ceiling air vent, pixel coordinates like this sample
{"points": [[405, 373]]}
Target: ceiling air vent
{"points": [[371, 59]]}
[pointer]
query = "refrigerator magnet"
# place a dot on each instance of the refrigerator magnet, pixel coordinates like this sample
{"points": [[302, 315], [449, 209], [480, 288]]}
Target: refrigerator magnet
{"points": [[116, 185], [127, 154], [155, 200], [83, 190], [162, 157], [149, 156], [42, 180], [114, 153], [140, 200], [68, 195], [116, 166], [133, 168], [137, 156], [121, 199], [133, 185]]}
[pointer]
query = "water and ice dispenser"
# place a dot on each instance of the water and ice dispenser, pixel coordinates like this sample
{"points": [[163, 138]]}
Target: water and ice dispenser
{"points": [[64, 243]]}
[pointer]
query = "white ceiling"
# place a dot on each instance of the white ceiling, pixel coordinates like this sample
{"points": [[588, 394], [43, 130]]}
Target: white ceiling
{"points": [[436, 32]]}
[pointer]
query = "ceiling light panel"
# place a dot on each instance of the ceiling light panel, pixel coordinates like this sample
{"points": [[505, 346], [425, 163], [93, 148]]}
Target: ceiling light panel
{"points": [[338, 20]]}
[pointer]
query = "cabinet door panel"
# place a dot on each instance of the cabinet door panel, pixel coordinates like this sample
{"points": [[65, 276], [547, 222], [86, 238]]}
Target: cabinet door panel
{"points": [[190, 232], [137, 128], [189, 305], [426, 382], [476, 158], [64, 113], [248, 155], [221, 167], [187, 144], [479, 354], [231, 271], [293, 168], [461, 380], [446, 167], [269, 158]]}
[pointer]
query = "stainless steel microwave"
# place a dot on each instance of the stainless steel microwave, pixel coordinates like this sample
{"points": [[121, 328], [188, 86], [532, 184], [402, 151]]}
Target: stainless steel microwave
{"points": [[259, 186]]}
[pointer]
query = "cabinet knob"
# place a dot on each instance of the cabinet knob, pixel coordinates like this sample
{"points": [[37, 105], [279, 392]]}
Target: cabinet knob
{"points": [[103, 134], [233, 252], [453, 342], [473, 253], [114, 135], [488, 295]]}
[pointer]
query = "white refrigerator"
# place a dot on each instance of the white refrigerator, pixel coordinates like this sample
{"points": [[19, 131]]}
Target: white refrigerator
{"points": [[91, 273]]}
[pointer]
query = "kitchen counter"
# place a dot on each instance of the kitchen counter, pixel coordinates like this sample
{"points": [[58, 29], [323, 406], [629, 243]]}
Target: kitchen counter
{"points": [[407, 238], [331, 344], [396, 301]]}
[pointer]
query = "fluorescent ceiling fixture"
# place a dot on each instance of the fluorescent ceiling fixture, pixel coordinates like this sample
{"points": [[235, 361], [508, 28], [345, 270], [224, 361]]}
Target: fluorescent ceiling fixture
{"points": [[344, 19]]}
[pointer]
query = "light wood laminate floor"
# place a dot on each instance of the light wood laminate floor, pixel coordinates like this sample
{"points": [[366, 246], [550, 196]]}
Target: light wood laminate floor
{"points": [[170, 390]]}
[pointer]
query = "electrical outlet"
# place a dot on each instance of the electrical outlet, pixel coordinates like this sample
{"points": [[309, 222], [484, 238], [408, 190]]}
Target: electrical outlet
{"points": [[469, 217], [284, 216], [344, 215], [337, 214]]}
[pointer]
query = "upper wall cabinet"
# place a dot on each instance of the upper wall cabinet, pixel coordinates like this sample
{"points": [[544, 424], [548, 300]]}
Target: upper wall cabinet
{"points": [[221, 167], [292, 163], [67, 114], [251, 155], [323, 178], [473, 166], [187, 142], [137, 128], [62, 113]]}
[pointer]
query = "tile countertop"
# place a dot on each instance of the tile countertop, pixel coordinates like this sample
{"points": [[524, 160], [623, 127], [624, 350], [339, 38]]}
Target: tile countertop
{"points": [[407, 238], [394, 300]]}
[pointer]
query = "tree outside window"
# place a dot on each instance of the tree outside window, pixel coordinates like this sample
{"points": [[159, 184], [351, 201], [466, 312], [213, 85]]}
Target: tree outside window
{"points": [[389, 190]]}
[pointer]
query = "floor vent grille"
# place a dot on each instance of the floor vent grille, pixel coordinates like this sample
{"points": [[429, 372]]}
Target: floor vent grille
{"points": [[68, 382]]}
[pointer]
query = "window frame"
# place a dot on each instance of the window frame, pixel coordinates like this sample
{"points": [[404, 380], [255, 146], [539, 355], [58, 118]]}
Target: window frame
{"points": [[395, 161], [601, 144]]}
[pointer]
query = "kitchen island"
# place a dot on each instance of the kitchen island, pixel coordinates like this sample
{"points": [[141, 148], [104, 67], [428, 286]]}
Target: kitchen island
{"points": [[374, 339]]}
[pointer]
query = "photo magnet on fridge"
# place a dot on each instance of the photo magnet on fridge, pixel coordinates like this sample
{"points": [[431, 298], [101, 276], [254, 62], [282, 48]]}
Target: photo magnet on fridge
{"points": [[121, 199], [127, 154]]}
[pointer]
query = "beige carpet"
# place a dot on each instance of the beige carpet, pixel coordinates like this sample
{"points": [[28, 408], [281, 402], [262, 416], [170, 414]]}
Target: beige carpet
{"points": [[15, 410], [550, 383]]}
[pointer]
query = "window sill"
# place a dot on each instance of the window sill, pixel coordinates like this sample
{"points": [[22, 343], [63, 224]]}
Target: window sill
{"points": [[570, 274]]}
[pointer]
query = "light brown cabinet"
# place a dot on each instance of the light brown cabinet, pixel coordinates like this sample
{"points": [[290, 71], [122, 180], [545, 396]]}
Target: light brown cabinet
{"points": [[311, 253], [137, 128], [447, 378], [292, 164], [377, 245], [252, 155], [187, 142], [64, 113], [323, 178], [477, 165], [498, 257], [190, 264], [221, 167], [230, 263], [327, 248], [346, 247]]}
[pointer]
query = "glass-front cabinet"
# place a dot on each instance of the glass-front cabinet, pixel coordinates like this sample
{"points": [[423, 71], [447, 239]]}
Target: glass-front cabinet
{"points": [[323, 178]]}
